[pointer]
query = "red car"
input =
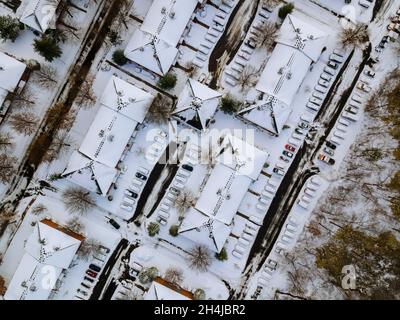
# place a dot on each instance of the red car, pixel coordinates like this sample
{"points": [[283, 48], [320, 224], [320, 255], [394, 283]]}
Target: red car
{"points": [[91, 273], [290, 148]]}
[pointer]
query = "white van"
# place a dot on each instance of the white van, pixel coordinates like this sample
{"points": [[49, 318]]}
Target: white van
{"points": [[350, 116], [339, 134]]}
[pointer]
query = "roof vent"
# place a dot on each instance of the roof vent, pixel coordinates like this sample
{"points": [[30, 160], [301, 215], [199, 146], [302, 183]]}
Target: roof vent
{"points": [[101, 133], [311, 37], [110, 138], [172, 14], [163, 10], [33, 288], [43, 241], [280, 71]]}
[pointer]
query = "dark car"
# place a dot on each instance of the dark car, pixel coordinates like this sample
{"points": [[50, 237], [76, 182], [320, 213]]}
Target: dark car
{"points": [[140, 176], [91, 273], [288, 154], [88, 279], [114, 223], [132, 194], [333, 64], [94, 268], [331, 145], [187, 167]]}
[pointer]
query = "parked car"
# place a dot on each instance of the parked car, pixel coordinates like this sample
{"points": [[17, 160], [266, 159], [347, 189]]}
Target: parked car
{"points": [[333, 64], [288, 154], [364, 87], [131, 194], [329, 71], [140, 176], [326, 76], [300, 131], [91, 273], [279, 171], [313, 106], [369, 73], [329, 151], [323, 83], [94, 268], [330, 145], [290, 148], [187, 167], [335, 57], [326, 159], [114, 223], [304, 125], [284, 159]]}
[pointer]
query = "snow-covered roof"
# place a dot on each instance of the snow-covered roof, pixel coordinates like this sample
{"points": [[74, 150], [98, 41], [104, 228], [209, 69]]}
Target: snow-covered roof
{"points": [[151, 52], [107, 137], [11, 71], [168, 19], [204, 230], [197, 104], [90, 174], [127, 99], [269, 113], [158, 291], [284, 73], [154, 45], [303, 36], [241, 156], [48, 251], [222, 194], [298, 45], [40, 14]]}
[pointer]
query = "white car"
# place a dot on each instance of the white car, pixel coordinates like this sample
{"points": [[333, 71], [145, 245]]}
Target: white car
{"points": [[326, 76], [126, 207]]}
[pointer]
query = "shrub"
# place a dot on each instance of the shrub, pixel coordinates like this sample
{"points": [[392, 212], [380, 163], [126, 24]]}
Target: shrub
{"points": [[173, 231], [285, 10], [48, 48], [119, 57], [168, 81], [229, 105], [222, 256], [153, 229]]}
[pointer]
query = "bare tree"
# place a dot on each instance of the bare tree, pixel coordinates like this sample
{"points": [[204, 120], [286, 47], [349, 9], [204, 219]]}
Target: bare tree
{"points": [[59, 116], [77, 200], [174, 275], [46, 76], [39, 209], [24, 100], [160, 110], [184, 201], [3, 287], [354, 36], [247, 77], [86, 98], [6, 142], [191, 69], [24, 123], [199, 258], [6, 217], [88, 248], [58, 146], [7, 167], [267, 35], [75, 225]]}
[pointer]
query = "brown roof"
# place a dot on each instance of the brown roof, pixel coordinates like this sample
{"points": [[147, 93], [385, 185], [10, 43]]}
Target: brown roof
{"points": [[56, 226]]}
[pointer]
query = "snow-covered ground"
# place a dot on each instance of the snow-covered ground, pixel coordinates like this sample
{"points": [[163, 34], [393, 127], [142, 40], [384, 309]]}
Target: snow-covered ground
{"points": [[164, 250]]}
